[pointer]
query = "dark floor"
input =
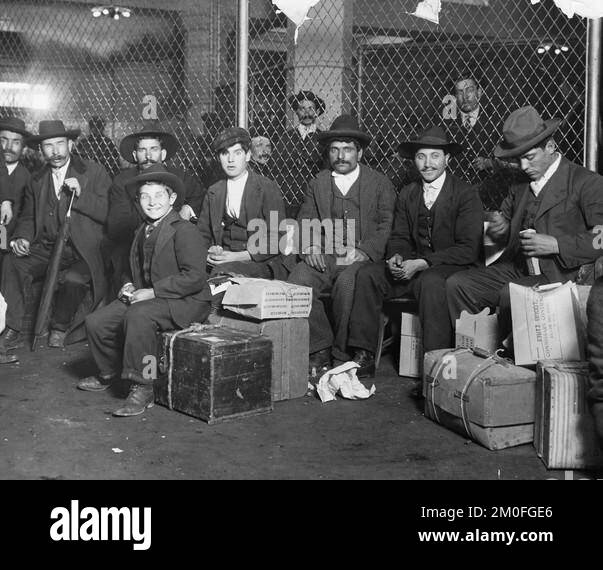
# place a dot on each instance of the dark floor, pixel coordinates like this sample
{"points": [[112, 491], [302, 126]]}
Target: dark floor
{"points": [[50, 430]]}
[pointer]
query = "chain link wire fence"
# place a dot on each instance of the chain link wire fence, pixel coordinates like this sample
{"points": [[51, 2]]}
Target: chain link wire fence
{"points": [[176, 63]]}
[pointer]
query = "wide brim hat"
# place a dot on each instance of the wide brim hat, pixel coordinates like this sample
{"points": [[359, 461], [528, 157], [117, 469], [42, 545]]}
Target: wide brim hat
{"points": [[158, 173], [128, 144], [523, 130], [295, 100], [231, 136], [51, 130], [345, 127], [15, 125], [434, 137]]}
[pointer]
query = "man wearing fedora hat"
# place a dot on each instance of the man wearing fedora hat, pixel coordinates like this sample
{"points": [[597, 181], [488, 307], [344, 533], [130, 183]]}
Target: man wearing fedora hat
{"points": [[45, 206], [166, 288], [360, 202], [560, 207], [438, 226], [142, 149], [297, 157], [13, 138]]}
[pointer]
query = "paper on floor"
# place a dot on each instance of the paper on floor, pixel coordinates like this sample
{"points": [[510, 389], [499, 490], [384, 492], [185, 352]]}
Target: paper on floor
{"points": [[343, 380]]}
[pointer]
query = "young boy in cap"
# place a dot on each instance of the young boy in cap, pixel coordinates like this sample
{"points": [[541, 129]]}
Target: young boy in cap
{"points": [[167, 289], [235, 207]]}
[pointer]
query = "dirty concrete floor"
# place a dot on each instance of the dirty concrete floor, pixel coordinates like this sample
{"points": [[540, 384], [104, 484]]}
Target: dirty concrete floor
{"points": [[50, 430]]}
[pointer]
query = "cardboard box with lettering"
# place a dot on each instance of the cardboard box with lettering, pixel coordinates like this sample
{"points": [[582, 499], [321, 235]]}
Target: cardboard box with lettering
{"points": [[565, 436], [483, 397], [547, 323], [411, 346], [267, 299], [480, 330]]}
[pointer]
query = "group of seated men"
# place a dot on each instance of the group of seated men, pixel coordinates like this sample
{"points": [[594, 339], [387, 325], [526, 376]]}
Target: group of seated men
{"points": [[357, 243]]}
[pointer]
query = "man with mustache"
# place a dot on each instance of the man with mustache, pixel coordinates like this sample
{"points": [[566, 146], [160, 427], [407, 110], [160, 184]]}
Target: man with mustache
{"points": [[354, 206], [549, 225], [438, 226], [13, 136], [261, 151], [46, 203], [298, 156], [143, 149]]}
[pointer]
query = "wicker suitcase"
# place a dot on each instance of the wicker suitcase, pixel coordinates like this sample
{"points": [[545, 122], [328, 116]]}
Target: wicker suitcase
{"points": [[215, 373]]}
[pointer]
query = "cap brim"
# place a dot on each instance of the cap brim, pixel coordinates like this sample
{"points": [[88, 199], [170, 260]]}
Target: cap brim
{"points": [[128, 144], [502, 151]]}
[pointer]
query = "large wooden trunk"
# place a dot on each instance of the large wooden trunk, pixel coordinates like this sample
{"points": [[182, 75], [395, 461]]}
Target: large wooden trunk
{"points": [[290, 344], [217, 373], [488, 400]]}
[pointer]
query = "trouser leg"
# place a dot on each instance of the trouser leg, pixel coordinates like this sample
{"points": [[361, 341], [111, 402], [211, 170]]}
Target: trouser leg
{"points": [[71, 292], [594, 311]]}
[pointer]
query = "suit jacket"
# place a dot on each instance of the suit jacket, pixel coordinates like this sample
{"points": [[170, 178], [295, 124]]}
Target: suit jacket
{"points": [[177, 268], [377, 198], [19, 181], [572, 204], [458, 224], [5, 190], [261, 198], [88, 217]]}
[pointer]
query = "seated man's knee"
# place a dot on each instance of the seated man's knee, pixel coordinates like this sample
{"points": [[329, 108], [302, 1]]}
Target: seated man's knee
{"points": [[138, 315], [431, 279]]}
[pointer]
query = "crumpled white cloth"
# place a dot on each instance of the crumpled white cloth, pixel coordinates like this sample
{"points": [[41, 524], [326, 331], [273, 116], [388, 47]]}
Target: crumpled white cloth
{"points": [[296, 11], [343, 380], [2, 313], [585, 8], [428, 10]]}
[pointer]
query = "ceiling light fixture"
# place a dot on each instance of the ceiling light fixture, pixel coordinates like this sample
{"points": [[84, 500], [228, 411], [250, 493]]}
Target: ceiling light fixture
{"points": [[113, 12]]}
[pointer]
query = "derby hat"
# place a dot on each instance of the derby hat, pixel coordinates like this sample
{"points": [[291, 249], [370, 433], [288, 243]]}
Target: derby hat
{"points": [[434, 137], [151, 131], [295, 100], [158, 173], [231, 136], [522, 131], [14, 125], [53, 129], [345, 127]]}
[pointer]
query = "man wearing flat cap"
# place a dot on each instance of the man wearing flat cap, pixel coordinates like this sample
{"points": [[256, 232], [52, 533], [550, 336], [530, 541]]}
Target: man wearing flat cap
{"points": [[438, 226], [354, 205], [13, 138], [165, 288], [45, 206], [234, 206], [297, 154], [546, 225], [144, 148]]}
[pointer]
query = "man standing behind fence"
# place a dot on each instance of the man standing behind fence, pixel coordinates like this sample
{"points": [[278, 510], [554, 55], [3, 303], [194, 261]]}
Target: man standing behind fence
{"points": [[354, 206]]}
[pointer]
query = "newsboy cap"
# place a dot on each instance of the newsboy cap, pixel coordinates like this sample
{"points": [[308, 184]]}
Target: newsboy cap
{"points": [[231, 136]]}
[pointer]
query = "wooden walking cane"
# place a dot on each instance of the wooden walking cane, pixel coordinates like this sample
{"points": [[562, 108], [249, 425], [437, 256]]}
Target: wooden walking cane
{"points": [[52, 277]]}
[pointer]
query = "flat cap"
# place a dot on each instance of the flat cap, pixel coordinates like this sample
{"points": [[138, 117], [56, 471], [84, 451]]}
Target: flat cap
{"points": [[231, 136]]}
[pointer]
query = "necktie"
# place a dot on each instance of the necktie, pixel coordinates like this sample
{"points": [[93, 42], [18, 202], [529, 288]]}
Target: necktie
{"points": [[429, 196], [148, 230], [467, 123]]}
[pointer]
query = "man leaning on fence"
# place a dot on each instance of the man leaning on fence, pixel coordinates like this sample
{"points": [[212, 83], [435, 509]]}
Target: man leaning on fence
{"points": [[546, 225], [438, 226], [354, 205]]}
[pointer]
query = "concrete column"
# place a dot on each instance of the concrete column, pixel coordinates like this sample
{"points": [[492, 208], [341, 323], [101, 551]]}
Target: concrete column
{"points": [[322, 59]]}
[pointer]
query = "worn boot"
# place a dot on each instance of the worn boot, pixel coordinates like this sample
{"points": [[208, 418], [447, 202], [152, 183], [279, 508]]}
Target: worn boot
{"points": [[366, 360], [56, 339], [10, 340], [96, 383], [140, 398]]}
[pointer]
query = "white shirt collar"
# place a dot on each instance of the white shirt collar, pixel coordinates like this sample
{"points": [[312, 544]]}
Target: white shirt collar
{"points": [[472, 115], [538, 185], [11, 167], [305, 131], [345, 181], [431, 190], [58, 177], [234, 195]]}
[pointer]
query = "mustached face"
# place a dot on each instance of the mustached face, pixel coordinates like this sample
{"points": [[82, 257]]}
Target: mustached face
{"points": [[431, 163], [344, 156], [12, 145], [261, 150], [149, 152], [56, 151], [306, 113]]}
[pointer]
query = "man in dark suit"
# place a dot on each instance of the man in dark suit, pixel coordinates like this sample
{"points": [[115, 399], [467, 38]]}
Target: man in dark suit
{"points": [[46, 203], [143, 149], [297, 154], [236, 207], [13, 138], [438, 226], [354, 206], [560, 207], [166, 289]]}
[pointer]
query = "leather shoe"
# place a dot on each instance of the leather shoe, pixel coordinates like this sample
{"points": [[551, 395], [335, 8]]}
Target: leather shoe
{"points": [[56, 339], [6, 358], [95, 383], [10, 339], [140, 398], [366, 360]]}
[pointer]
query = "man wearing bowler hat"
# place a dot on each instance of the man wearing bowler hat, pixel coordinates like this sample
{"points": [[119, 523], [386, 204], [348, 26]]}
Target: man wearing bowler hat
{"points": [[165, 288], [297, 154], [46, 203], [438, 226], [144, 148], [13, 138], [354, 205], [559, 208]]}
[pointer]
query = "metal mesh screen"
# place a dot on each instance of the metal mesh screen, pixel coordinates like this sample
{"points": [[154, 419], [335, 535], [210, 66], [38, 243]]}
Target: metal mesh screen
{"points": [[176, 62]]}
